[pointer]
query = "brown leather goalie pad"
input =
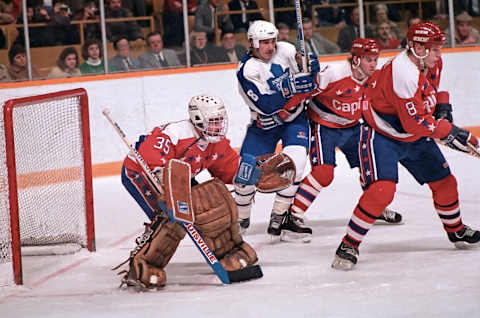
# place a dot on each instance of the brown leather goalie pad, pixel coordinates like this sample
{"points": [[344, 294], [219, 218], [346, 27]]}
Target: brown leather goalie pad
{"points": [[154, 250], [216, 218]]}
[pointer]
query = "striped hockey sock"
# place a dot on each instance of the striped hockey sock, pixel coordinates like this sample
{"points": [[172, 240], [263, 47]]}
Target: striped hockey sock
{"points": [[306, 194]]}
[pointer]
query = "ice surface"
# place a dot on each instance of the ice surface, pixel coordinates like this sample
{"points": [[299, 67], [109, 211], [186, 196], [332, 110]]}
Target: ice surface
{"points": [[411, 270]]}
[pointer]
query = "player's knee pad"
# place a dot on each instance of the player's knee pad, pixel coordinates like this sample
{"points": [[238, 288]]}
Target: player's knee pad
{"points": [[444, 191], [299, 156], [216, 220], [323, 174], [379, 194]]}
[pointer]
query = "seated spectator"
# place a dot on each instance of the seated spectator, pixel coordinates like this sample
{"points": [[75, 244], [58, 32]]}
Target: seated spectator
{"points": [[314, 42], [352, 31], [5, 18], [65, 33], [4, 76], [127, 29], [67, 64], [330, 16], [385, 38], [18, 69], [92, 54], [202, 52], [136, 7], [173, 21], [283, 32], [381, 15], [88, 13], [205, 19], [231, 51], [241, 21], [122, 62], [157, 57], [411, 21], [39, 36], [465, 34], [288, 17]]}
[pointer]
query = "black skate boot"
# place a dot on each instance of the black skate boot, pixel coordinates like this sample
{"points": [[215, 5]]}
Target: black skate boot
{"points": [[276, 221], [345, 257], [465, 238], [294, 229], [390, 216], [243, 224]]}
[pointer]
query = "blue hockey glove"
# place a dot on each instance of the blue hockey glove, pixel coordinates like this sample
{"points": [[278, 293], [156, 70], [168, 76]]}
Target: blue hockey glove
{"points": [[248, 173], [313, 64], [297, 84]]}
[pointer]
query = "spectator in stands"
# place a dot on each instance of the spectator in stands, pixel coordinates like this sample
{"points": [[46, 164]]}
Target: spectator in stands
{"points": [[231, 51], [157, 57], [92, 54], [5, 18], [18, 64], [411, 21], [205, 19], [89, 12], [330, 16], [67, 64], [4, 76], [352, 31], [241, 21], [385, 38], [122, 62], [136, 7], [465, 34], [202, 52], [128, 29], [472, 7], [381, 15], [173, 21], [314, 42], [288, 17], [65, 33], [283, 32], [39, 36]]}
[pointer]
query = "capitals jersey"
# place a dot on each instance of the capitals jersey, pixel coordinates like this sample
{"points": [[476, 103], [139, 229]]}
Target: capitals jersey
{"points": [[404, 100], [180, 140], [260, 82], [341, 98]]}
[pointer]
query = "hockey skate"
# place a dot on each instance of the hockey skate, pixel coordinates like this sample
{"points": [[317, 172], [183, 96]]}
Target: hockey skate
{"points": [[243, 225], [345, 257], [465, 238], [276, 221], [390, 217], [294, 229]]}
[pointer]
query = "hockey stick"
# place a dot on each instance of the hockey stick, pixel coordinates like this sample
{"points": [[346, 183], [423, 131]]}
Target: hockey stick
{"points": [[301, 38], [472, 150], [188, 227]]}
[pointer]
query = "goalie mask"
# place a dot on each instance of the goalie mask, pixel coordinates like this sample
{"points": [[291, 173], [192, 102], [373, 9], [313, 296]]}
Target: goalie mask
{"points": [[208, 115], [261, 30]]}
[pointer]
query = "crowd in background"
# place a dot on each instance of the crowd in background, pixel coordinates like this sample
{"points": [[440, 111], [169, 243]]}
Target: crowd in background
{"points": [[214, 34]]}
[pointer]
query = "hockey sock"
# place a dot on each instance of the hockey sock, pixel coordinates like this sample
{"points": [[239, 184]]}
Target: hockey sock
{"points": [[284, 198], [320, 177], [445, 201], [243, 199], [370, 206]]}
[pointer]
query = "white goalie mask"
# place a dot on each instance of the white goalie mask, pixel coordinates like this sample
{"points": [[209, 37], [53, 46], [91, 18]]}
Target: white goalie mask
{"points": [[208, 115], [261, 30]]}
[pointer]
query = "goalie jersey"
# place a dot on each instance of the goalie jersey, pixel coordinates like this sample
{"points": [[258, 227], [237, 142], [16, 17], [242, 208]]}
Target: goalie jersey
{"points": [[180, 140], [404, 100]]}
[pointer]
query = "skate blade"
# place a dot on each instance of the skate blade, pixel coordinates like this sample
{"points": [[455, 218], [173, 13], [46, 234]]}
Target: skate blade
{"points": [[288, 236], [466, 245], [342, 264], [383, 222], [275, 239]]}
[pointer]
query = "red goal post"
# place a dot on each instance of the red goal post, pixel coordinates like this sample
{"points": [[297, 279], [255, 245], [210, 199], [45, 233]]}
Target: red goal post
{"points": [[46, 141]]}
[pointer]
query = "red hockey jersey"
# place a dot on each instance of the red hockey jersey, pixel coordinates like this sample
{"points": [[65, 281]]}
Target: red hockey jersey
{"points": [[403, 99], [180, 140]]}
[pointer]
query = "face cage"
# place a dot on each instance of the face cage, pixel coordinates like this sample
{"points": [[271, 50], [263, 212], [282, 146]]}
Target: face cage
{"points": [[215, 127]]}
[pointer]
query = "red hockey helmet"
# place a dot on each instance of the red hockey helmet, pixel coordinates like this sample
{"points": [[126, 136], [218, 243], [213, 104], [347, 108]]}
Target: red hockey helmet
{"points": [[426, 33], [362, 47]]}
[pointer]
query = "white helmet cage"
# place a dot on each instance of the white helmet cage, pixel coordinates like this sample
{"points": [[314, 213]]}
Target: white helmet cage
{"points": [[209, 116], [261, 30]]}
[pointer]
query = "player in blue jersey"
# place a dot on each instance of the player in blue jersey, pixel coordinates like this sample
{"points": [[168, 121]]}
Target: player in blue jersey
{"points": [[274, 90]]}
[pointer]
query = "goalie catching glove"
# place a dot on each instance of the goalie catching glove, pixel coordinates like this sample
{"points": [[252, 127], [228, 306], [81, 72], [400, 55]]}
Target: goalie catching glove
{"points": [[271, 173]]}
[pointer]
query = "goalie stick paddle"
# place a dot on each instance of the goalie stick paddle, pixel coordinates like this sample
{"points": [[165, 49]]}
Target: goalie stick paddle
{"points": [[192, 232]]}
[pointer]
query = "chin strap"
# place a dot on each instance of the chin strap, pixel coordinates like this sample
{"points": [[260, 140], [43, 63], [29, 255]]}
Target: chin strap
{"points": [[420, 58], [356, 66]]}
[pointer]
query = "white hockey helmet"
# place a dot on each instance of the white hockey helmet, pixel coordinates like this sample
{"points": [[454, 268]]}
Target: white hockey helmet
{"points": [[261, 30], [208, 115]]}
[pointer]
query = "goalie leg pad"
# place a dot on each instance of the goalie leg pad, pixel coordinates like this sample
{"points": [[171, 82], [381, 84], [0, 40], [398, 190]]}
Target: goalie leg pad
{"points": [[154, 250]]}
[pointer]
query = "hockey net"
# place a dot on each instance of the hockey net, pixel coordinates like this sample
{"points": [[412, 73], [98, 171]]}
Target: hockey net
{"points": [[46, 204]]}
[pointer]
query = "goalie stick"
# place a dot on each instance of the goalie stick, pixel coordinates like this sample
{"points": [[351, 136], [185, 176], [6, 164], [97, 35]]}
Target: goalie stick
{"points": [[192, 232]]}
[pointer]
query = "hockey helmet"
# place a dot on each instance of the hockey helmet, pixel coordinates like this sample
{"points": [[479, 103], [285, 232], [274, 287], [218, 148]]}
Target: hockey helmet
{"points": [[426, 33], [362, 47], [261, 30], [209, 116]]}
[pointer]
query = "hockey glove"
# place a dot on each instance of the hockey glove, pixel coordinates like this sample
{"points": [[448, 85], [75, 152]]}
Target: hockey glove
{"points": [[313, 64], [297, 84], [248, 173], [461, 140], [443, 109]]}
